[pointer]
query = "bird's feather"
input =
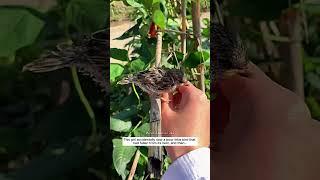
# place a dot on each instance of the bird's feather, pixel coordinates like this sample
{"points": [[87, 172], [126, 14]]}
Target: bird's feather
{"points": [[88, 54]]}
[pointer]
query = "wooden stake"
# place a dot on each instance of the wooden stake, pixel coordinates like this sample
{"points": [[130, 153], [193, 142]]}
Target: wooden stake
{"points": [[292, 69], [155, 152], [197, 36], [184, 28], [134, 165]]}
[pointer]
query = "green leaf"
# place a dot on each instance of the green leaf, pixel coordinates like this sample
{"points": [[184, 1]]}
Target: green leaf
{"points": [[258, 10], [207, 63], [315, 60], [314, 107], [119, 122], [137, 5], [318, 70], [173, 23], [159, 19], [126, 113], [50, 166], [120, 54], [133, 3], [7, 60], [174, 58], [312, 8], [119, 125], [19, 28], [314, 80], [128, 101], [121, 156], [147, 4], [115, 71], [4, 177], [87, 16], [196, 58], [146, 51], [206, 32], [137, 65], [308, 66], [142, 163], [156, 1], [142, 131], [58, 124], [144, 30], [14, 140], [166, 163]]}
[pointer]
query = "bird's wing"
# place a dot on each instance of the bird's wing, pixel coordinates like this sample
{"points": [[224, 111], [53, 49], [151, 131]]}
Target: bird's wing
{"points": [[89, 56]]}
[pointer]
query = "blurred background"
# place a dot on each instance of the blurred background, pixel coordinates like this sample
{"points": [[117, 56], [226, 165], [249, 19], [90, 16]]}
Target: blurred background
{"points": [[45, 130], [283, 39]]}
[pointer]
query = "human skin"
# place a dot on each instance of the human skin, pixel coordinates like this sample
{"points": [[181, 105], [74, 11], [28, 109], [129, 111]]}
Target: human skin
{"points": [[186, 114], [270, 134]]}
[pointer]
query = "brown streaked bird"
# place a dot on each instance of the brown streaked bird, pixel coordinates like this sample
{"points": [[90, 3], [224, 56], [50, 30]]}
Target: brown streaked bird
{"points": [[88, 54], [156, 80], [229, 54], [229, 57]]}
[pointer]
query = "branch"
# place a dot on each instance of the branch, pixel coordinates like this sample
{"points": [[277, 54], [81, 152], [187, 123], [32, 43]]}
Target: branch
{"points": [[219, 14], [183, 28], [84, 100], [158, 49], [134, 165], [292, 72], [155, 152], [196, 21], [197, 36]]}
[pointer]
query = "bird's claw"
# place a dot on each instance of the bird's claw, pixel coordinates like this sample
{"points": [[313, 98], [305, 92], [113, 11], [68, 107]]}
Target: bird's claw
{"points": [[165, 100]]}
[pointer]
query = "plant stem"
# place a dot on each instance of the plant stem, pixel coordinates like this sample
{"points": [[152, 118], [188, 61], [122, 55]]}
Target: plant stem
{"points": [[197, 36], [84, 100], [134, 128], [290, 52], [136, 93], [155, 152], [183, 28], [134, 165], [219, 14]]}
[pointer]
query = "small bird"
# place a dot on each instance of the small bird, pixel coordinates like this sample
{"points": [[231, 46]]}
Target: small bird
{"points": [[156, 80], [87, 53], [229, 54], [229, 57]]}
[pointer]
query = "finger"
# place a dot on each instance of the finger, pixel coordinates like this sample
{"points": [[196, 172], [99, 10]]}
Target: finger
{"points": [[189, 89], [166, 106], [185, 88], [165, 98], [231, 88], [255, 72], [234, 86]]}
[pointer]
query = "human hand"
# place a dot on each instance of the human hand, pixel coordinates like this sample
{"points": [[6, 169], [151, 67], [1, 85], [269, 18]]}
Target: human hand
{"points": [[187, 114], [270, 134]]}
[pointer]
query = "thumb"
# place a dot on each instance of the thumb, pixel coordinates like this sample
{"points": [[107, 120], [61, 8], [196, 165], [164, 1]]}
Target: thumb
{"points": [[236, 85], [166, 104], [231, 88]]}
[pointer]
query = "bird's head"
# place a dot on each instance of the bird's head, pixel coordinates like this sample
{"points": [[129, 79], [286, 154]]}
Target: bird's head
{"points": [[177, 75]]}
